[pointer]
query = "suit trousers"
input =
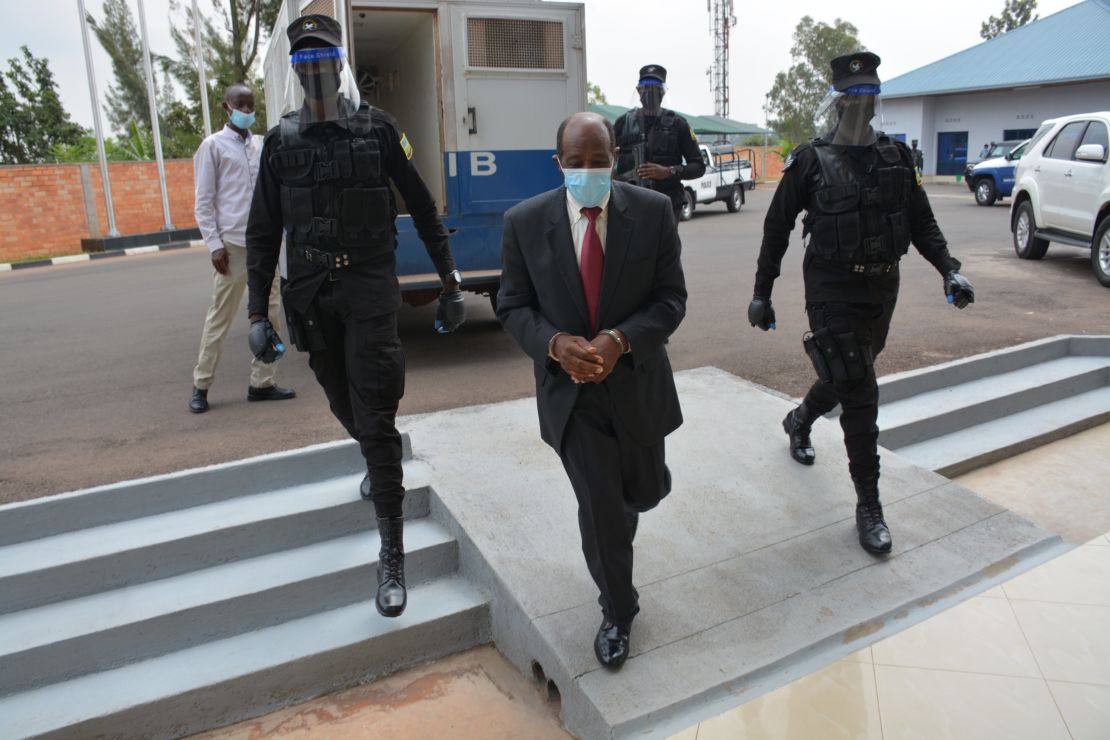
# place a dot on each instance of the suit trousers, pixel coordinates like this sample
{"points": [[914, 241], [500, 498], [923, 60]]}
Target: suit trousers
{"points": [[227, 296], [362, 372], [859, 399], [610, 474]]}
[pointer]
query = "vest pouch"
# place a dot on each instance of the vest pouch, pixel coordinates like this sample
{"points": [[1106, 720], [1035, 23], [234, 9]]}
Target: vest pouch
{"points": [[836, 228], [294, 166], [899, 233], [339, 167], [297, 213], [366, 159], [365, 219]]}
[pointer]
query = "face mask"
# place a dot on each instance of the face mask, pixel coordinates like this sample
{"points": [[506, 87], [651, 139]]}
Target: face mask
{"points": [[588, 187], [241, 120]]}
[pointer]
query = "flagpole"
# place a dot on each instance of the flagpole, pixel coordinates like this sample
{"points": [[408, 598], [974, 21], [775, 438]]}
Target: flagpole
{"points": [[199, 44], [101, 154], [154, 121]]}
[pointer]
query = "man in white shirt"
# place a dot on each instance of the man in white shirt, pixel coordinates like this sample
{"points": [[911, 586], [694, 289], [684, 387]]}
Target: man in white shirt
{"points": [[225, 168]]}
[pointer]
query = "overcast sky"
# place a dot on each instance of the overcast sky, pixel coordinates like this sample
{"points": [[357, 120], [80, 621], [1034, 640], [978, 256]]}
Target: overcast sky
{"points": [[621, 35]]}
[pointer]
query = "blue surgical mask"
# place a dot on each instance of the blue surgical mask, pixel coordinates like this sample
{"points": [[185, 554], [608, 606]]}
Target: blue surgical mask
{"points": [[588, 186], [241, 120]]}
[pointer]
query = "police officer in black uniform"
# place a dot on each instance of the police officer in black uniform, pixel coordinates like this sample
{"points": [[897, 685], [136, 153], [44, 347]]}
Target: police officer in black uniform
{"points": [[653, 141], [865, 205], [324, 182]]}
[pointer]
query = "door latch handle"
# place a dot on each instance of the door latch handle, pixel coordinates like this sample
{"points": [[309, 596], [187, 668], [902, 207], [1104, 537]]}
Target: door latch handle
{"points": [[1067, 174], [1036, 169], [473, 114]]}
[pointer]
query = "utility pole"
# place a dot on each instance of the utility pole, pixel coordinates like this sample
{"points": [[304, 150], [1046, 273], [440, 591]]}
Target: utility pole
{"points": [[721, 22], [203, 78], [154, 120], [100, 153]]}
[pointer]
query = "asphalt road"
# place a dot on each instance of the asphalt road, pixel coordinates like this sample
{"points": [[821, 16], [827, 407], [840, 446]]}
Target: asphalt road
{"points": [[97, 357]]}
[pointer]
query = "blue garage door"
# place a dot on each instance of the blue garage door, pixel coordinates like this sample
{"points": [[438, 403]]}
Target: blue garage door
{"points": [[951, 152]]}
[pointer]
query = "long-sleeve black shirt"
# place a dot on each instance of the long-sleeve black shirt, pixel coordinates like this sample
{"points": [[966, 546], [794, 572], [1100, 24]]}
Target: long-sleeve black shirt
{"points": [[828, 281], [370, 286], [694, 166]]}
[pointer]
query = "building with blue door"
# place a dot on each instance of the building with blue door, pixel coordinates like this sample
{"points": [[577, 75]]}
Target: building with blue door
{"points": [[1003, 88]]}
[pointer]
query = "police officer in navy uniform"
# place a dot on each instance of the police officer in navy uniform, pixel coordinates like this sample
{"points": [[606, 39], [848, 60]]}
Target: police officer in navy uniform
{"points": [[654, 141], [324, 182], [864, 207]]}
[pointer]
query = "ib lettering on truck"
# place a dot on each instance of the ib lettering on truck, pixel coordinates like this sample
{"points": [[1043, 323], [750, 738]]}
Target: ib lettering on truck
{"points": [[478, 88]]}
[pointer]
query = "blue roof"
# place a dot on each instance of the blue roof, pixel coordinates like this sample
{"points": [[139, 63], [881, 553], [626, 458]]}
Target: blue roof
{"points": [[1069, 46]]}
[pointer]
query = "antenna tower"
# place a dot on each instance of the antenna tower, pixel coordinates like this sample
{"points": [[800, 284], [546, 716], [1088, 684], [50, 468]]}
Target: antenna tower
{"points": [[721, 21]]}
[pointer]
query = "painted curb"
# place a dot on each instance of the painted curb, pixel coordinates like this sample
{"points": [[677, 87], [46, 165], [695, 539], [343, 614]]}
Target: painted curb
{"points": [[87, 257]]}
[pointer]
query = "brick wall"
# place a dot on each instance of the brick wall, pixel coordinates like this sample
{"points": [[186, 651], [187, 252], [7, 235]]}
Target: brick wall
{"points": [[755, 154], [43, 213]]}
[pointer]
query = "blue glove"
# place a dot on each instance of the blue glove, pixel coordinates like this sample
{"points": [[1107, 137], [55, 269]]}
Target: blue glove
{"points": [[264, 342], [451, 313], [958, 290], [761, 313]]}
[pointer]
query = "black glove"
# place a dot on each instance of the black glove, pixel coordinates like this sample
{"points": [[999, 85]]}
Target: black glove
{"points": [[958, 289], [761, 313], [451, 312], [265, 343]]}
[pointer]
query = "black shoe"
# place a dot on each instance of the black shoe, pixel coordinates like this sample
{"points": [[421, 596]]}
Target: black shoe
{"points": [[392, 596], [797, 425], [364, 488], [874, 536], [270, 393], [611, 644], [632, 518], [198, 404]]}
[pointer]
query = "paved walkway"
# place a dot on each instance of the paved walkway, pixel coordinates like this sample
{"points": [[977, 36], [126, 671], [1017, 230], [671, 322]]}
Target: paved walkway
{"points": [[1028, 659]]}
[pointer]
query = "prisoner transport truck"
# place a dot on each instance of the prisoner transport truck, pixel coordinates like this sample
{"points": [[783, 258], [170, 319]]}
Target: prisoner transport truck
{"points": [[479, 89]]}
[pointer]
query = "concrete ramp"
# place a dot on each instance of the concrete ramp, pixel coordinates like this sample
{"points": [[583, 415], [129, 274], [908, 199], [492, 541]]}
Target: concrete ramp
{"points": [[169, 605], [749, 572]]}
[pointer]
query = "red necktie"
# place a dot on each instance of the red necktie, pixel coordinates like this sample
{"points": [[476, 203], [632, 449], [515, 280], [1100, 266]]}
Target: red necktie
{"points": [[591, 266]]}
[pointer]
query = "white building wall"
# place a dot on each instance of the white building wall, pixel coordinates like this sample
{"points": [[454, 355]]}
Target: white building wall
{"points": [[985, 115]]}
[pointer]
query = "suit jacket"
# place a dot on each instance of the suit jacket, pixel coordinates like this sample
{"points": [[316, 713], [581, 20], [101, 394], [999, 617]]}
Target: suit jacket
{"points": [[643, 295]]}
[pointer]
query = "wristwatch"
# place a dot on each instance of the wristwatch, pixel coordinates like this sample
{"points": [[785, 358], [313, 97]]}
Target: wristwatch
{"points": [[674, 170], [453, 275]]}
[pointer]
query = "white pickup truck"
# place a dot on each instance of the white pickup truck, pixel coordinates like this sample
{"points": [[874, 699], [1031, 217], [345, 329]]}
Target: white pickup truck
{"points": [[726, 178]]}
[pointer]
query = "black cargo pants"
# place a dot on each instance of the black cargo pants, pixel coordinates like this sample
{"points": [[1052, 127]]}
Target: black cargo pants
{"points": [[859, 399], [362, 371]]}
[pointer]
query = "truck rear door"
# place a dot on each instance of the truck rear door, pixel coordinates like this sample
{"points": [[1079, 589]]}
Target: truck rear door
{"points": [[519, 70]]}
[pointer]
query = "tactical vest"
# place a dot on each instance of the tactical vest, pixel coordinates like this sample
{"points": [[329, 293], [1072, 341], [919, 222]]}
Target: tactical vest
{"points": [[334, 194], [857, 214], [660, 145]]}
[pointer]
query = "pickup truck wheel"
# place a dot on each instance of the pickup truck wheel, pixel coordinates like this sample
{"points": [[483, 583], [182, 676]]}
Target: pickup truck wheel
{"points": [[1100, 252], [687, 206], [1027, 246], [985, 192], [735, 199]]}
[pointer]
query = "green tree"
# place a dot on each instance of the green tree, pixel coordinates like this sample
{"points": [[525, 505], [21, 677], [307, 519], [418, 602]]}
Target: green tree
{"points": [[233, 44], [794, 97], [126, 99], [594, 95], [32, 119], [1015, 15]]}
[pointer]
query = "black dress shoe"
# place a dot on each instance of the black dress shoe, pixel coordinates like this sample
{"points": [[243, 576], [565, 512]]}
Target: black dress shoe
{"points": [[270, 393], [611, 644], [198, 404], [364, 488], [797, 425]]}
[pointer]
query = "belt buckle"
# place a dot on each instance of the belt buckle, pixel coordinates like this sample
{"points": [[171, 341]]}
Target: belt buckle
{"points": [[332, 276]]}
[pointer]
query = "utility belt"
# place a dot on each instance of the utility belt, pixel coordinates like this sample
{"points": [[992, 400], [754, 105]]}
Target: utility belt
{"points": [[871, 269], [334, 260]]}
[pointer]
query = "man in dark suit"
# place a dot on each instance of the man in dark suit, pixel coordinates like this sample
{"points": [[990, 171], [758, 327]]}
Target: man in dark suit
{"points": [[591, 288]]}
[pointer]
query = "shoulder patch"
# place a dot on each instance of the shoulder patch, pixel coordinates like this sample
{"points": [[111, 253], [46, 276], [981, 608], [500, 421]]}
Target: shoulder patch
{"points": [[790, 160], [693, 135], [406, 146], [917, 176]]}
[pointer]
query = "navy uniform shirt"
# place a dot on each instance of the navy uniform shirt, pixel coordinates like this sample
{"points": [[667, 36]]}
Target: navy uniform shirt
{"points": [[829, 281], [372, 286]]}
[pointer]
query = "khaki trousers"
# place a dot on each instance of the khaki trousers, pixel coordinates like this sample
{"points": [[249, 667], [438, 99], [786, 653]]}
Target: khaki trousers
{"points": [[227, 298]]}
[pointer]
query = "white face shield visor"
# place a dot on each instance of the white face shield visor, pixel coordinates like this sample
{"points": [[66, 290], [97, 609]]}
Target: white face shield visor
{"points": [[850, 117], [649, 95], [322, 79]]}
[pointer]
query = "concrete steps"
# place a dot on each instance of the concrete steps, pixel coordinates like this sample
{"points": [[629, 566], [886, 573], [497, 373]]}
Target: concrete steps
{"points": [[961, 415], [256, 591]]}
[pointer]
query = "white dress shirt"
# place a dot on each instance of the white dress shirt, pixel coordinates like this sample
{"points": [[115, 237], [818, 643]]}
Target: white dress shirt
{"points": [[225, 168], [579, 223]]}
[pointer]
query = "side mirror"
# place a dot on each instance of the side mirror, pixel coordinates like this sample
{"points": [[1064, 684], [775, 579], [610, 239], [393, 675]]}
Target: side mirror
{"points": [[1091, 153]]}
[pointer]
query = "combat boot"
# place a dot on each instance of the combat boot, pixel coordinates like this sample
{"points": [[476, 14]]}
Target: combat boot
{"points": [[873, 533], [392, 596], [797, 425]]}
